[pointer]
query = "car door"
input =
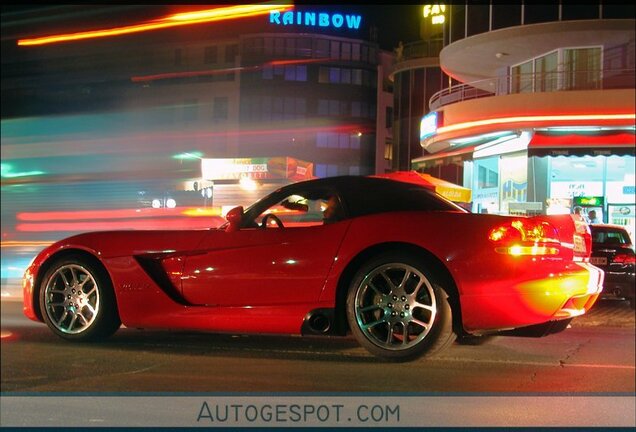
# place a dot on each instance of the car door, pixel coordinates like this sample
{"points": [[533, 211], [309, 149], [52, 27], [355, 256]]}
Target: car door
{"points": [[268, 264]]}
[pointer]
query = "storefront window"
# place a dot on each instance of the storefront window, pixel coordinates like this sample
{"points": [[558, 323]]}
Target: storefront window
{"points": [[514, 180], [486, 185]]}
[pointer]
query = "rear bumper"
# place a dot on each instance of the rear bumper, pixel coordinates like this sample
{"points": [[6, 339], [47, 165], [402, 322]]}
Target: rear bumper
{"points": [[536, 297], [619, 285]]}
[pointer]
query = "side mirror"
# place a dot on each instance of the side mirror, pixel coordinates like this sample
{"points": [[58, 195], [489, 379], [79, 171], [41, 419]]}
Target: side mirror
{"points": [[234, 217]]}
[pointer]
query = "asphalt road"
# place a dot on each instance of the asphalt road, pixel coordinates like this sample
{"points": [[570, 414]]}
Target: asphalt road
{"points": [[581, 377], [592, 356]]}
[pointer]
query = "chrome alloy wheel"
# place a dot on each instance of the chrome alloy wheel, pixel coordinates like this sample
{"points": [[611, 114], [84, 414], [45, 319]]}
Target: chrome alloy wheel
{"points": [[71, 297], [395, 306]]}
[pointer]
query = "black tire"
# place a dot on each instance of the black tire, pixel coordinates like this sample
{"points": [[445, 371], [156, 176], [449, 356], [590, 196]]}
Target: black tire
{"points": [[397, 309], [77, 300]]}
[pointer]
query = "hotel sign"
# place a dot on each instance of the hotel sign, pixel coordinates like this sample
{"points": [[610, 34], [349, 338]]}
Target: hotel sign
{"points": [[315, 19], [435, 13]]}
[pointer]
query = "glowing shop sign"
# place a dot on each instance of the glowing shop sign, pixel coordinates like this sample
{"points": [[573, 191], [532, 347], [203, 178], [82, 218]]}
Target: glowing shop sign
{"points": [[313, 19], [436, 12], [588, 201], [428, 125]]}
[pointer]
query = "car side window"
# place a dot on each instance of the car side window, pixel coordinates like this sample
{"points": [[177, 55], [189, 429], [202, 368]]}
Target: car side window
{"points": [[302, 209]]}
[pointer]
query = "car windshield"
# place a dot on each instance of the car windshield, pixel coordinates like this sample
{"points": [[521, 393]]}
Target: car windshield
{"points": [[608, 236]]}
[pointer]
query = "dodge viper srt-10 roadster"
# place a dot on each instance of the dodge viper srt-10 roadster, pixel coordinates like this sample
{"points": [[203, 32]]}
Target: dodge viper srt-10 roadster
{"points": [[401, 268]]}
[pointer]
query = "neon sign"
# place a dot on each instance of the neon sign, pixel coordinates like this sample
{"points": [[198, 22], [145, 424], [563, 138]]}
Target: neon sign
{"points": [[313, 19], [436, 12], [428, 125]]}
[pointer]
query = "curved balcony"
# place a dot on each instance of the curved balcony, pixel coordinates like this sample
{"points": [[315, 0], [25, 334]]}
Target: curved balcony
{"points": [[541, 82]]}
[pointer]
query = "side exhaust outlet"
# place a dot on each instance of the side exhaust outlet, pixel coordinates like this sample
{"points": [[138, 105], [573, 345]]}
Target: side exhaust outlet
{"points": [[318, 321]]}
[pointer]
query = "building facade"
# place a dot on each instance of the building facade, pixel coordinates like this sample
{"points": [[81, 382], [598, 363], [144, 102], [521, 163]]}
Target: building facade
{"points": [[537, 115]]}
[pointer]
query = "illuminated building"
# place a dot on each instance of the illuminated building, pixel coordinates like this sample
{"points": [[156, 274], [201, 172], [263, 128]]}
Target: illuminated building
{"points": [[536, 105]]}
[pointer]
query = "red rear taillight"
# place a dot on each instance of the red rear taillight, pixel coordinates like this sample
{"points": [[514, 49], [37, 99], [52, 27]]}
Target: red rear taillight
{"points": [[623, 258], [525, 237]]}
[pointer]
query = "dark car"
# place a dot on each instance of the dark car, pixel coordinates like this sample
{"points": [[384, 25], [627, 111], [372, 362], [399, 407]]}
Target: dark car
{"points": [[613, 251]]}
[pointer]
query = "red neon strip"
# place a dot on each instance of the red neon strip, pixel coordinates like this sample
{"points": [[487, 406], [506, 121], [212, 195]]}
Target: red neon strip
{"points": [[539, 118]]}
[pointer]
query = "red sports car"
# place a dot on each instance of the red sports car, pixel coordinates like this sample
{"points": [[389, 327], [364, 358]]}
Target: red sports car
{"points": [[400, 267]]}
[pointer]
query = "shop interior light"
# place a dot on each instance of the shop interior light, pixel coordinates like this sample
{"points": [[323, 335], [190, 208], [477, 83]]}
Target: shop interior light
{"points": [[474, 139]]}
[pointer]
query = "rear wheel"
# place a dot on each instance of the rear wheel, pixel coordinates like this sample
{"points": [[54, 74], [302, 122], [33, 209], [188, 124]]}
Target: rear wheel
{"points": [[397, 309], [77, 300]]}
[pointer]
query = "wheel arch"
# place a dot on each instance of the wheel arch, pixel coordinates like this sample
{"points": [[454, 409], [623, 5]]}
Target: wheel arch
{"points": [[346, 277], [46, 265]]}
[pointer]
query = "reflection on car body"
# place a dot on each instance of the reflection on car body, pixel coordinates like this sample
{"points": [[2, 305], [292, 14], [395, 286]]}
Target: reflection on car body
{"points": [[400, 267], [613, 251]]}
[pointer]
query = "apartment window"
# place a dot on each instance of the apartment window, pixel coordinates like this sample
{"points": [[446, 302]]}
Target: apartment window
{"points": [[334, 75], [231, 52], [268, 46], [355, 52], [356, 110], [356, 76], [323, 75], [345, 76], [279, 46], [582, 68], [220, 108], [322, 48], [522, 78], [290, 47], [354, 142], [290, 73], [388, 150], [332, 138], [321, 141], [303, 47], [334, 107], [346, 51], [389, 117], [211, 55], [546, 72], [268, 72], [334, 52], [323, 107], [301, 73]]}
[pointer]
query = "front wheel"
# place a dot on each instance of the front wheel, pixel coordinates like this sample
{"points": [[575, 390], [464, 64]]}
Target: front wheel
{"points": [[397, 309], [77, 300]]}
